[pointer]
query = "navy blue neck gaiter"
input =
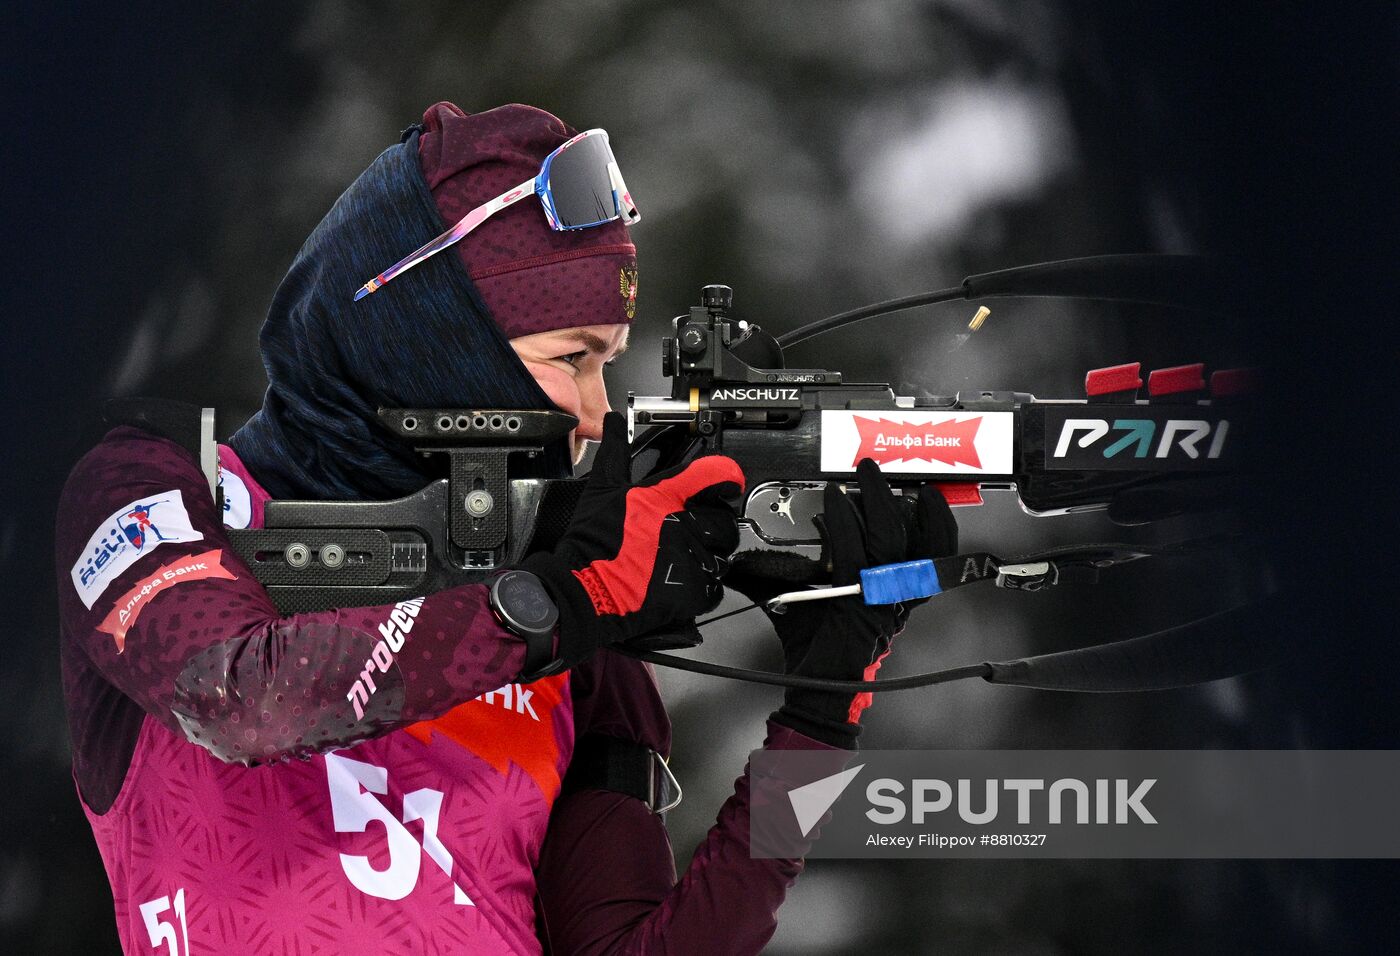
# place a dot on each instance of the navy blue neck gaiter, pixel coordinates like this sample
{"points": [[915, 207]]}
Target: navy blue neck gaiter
{"points": [[424, 341]]}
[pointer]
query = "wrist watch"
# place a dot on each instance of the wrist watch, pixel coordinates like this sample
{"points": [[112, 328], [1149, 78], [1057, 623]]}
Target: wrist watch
{"points": [[522, 606]]}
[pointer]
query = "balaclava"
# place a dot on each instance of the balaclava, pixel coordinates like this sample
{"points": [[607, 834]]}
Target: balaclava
{"points": [[436, 335]]}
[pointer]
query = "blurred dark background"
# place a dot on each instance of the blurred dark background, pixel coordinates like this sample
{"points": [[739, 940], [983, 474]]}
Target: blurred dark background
{"points": [[162, 165]]}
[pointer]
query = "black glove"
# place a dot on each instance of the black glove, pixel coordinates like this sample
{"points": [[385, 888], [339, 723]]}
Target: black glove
{"points": [[639, 558], [845, 638]]}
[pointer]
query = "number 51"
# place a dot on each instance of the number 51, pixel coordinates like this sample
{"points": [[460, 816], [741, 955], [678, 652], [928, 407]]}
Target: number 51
{"points": [[163, 931]]}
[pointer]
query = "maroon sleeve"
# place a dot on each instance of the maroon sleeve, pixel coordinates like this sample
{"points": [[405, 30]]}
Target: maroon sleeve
{"points": [[607, 879], [153, 597], [619, 697]]}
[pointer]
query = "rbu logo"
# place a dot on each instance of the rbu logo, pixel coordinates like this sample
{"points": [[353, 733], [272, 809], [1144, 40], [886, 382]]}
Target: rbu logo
{"points": [[1139, 437], [134, 528], [130, 532]]}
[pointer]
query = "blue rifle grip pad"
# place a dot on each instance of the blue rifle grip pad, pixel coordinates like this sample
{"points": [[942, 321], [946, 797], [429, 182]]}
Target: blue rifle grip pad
{"points": [[905, 581]]}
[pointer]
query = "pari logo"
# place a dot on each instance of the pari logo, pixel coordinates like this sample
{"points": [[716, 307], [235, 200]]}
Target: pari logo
{"points": [[1175, 438], [918, 442], [130, 532]]}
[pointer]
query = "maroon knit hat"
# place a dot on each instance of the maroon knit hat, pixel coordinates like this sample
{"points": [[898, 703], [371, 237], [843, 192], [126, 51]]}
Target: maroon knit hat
{"points": [[532, 278]]}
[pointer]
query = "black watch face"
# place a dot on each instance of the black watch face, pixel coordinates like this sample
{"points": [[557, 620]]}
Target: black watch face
{"points": [[522, 598]]}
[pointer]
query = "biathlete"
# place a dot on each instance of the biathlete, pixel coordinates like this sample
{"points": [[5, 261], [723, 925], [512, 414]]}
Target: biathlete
{"points": [[397, 779]]}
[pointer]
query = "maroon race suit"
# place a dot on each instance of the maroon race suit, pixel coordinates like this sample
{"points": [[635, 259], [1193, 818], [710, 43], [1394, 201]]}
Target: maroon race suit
{"points": [[367, 780]]}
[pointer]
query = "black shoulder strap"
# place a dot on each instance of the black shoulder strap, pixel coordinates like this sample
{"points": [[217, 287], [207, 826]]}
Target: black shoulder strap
{"points": [[601, 762]]}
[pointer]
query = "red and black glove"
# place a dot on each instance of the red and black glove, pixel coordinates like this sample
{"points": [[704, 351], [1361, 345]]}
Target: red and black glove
{"points": [[640, 558], [845, 638]]}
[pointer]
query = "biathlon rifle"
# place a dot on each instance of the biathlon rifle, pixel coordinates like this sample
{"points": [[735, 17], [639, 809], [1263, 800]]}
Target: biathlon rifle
{"points": [[1183, 447]]}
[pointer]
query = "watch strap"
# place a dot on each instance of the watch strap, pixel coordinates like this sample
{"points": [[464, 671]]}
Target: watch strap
{"points": [[535, 621], [539, 658]]}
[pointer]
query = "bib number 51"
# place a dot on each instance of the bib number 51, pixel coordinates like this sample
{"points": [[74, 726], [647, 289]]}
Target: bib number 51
{"points": [[353, 785], [162, 931]]}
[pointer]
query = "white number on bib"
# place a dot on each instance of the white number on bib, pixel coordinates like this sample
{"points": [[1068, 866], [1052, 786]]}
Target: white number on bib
{"points": [[353, 784], [162, 932]]}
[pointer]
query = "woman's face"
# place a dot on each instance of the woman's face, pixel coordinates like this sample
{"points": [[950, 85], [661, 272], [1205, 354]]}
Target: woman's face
{"points": [[568, 364]]}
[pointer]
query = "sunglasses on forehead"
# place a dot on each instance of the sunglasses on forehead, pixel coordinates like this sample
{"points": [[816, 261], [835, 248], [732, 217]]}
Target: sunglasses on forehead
{"points": [[579, 186]]}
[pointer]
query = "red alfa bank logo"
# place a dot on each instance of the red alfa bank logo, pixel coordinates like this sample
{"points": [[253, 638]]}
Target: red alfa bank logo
{"points": [[196, 567], [948, 443], [916, 441]]}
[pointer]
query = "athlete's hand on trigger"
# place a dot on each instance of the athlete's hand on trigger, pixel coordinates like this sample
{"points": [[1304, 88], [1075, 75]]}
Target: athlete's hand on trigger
{"points": [[845, 638], [640, 558]]}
